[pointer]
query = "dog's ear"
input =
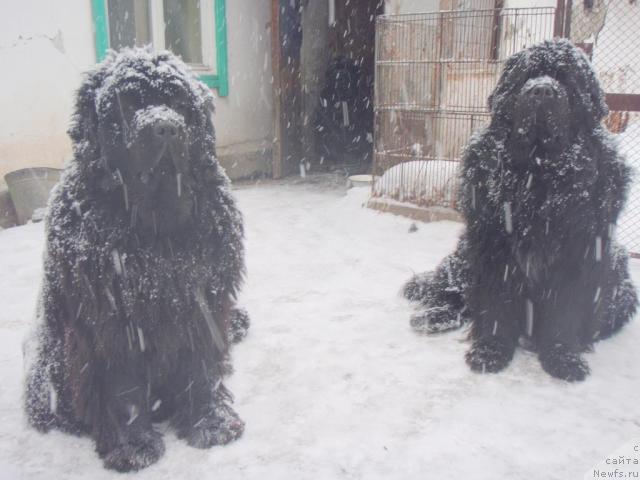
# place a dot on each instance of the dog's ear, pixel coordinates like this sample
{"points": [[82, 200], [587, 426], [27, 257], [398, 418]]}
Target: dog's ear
{"points": [[588, 82], [514, 75], [208, 110], [84, 122]]}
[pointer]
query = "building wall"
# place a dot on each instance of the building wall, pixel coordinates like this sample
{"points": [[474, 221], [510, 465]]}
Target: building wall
{"points": [[46, 46], [411, 6], [420, 6], [243, 120]]}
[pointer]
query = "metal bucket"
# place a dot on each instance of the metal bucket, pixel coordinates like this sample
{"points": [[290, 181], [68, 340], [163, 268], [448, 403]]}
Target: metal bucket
{"points": [[30, 188]]}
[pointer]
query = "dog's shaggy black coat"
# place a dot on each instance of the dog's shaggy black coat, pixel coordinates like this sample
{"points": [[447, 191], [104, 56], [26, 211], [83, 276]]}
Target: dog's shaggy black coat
{"points": [[144, 256], [541, 191]]}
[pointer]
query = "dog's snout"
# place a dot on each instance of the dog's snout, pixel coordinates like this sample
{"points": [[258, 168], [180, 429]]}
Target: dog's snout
{"points": [[543, 91], [165, 129]]}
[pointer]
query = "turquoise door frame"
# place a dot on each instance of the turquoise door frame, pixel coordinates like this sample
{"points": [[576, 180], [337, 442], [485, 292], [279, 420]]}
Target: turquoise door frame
{"points": [[219, 81]]}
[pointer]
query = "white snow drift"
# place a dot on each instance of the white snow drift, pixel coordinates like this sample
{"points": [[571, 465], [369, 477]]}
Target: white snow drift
{"points": [[331, 380]]}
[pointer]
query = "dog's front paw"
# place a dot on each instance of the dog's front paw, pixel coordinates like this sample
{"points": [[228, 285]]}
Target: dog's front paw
{"points": [[138, 451], [558, 361], [221, 426], [489, 355], [239, 324]]}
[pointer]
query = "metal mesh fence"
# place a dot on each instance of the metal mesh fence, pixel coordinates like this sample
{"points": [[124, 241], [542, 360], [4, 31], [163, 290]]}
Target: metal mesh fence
{"points": [[434, 72], [608, 32]]}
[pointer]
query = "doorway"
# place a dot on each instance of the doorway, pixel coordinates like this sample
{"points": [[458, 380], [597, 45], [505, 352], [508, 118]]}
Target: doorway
{"points": [[323, 64]]}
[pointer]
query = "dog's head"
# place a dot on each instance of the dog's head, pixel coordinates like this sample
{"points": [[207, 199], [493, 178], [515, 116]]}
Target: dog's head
{"points": [[546, 94], [143, 124]]}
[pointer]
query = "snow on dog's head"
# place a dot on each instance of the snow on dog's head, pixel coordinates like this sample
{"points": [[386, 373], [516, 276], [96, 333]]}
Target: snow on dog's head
{"points": [[142, 124], [555, 77]]}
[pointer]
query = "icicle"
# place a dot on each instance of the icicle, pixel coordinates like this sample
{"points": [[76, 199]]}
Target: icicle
{"points": [[155, 223], [529, 318], [597, 295], [508, 221], [117, 261], [125, 192], [598, 249], [111, 298], [141, 339], [79, 311], [133, 414], [123, 117], [345, 114], [179, 182], [53, 399], [76, 207], [129, 337], [529, 180], [217, 385], [216, 334], [546, 228], [134, 216], [506, 272], [199, 422], [495, 328]]}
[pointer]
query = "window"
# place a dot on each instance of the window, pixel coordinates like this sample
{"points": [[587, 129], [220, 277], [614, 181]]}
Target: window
{"points": [[195, 30]]}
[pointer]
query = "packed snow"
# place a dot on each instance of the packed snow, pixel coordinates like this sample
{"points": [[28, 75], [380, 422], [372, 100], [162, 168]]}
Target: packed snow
{"points": [[428, 181], [331, 381]]}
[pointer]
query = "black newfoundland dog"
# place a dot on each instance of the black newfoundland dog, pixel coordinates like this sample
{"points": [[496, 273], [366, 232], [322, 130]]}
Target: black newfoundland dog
{"points": [[143, 261], [541, 190]]}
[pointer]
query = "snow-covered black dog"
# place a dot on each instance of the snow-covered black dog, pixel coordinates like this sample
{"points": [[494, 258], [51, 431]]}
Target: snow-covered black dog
{"points": [[144, 257], [541, 190]]}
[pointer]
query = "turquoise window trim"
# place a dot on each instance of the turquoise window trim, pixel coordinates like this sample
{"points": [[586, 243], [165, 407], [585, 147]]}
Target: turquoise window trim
{"points": [[220, 81]]}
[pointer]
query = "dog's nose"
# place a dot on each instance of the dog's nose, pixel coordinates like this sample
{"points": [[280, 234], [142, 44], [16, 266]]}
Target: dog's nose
{"points": [[543, 91], [165, 129]]}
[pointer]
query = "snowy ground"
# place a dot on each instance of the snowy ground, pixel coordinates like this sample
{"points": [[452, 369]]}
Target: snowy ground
{"points": [[331, 381]]}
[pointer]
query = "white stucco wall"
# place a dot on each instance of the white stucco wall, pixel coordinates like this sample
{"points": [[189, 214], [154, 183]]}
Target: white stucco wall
{"points": [[411, 6], [529, 3], [45, 47], [246, 114]]}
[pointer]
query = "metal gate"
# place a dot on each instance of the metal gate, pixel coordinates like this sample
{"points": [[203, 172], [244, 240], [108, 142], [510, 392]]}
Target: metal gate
{"points": [[434, 72]]}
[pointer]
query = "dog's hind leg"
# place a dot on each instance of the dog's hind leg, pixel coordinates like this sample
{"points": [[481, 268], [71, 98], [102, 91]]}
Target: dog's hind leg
{"points": [[623, 300], [40, 396], [441, 296]]}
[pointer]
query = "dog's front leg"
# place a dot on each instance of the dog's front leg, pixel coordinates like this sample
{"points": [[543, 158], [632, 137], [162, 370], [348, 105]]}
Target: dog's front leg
{"points": [[125, 438], [204, 416]]}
